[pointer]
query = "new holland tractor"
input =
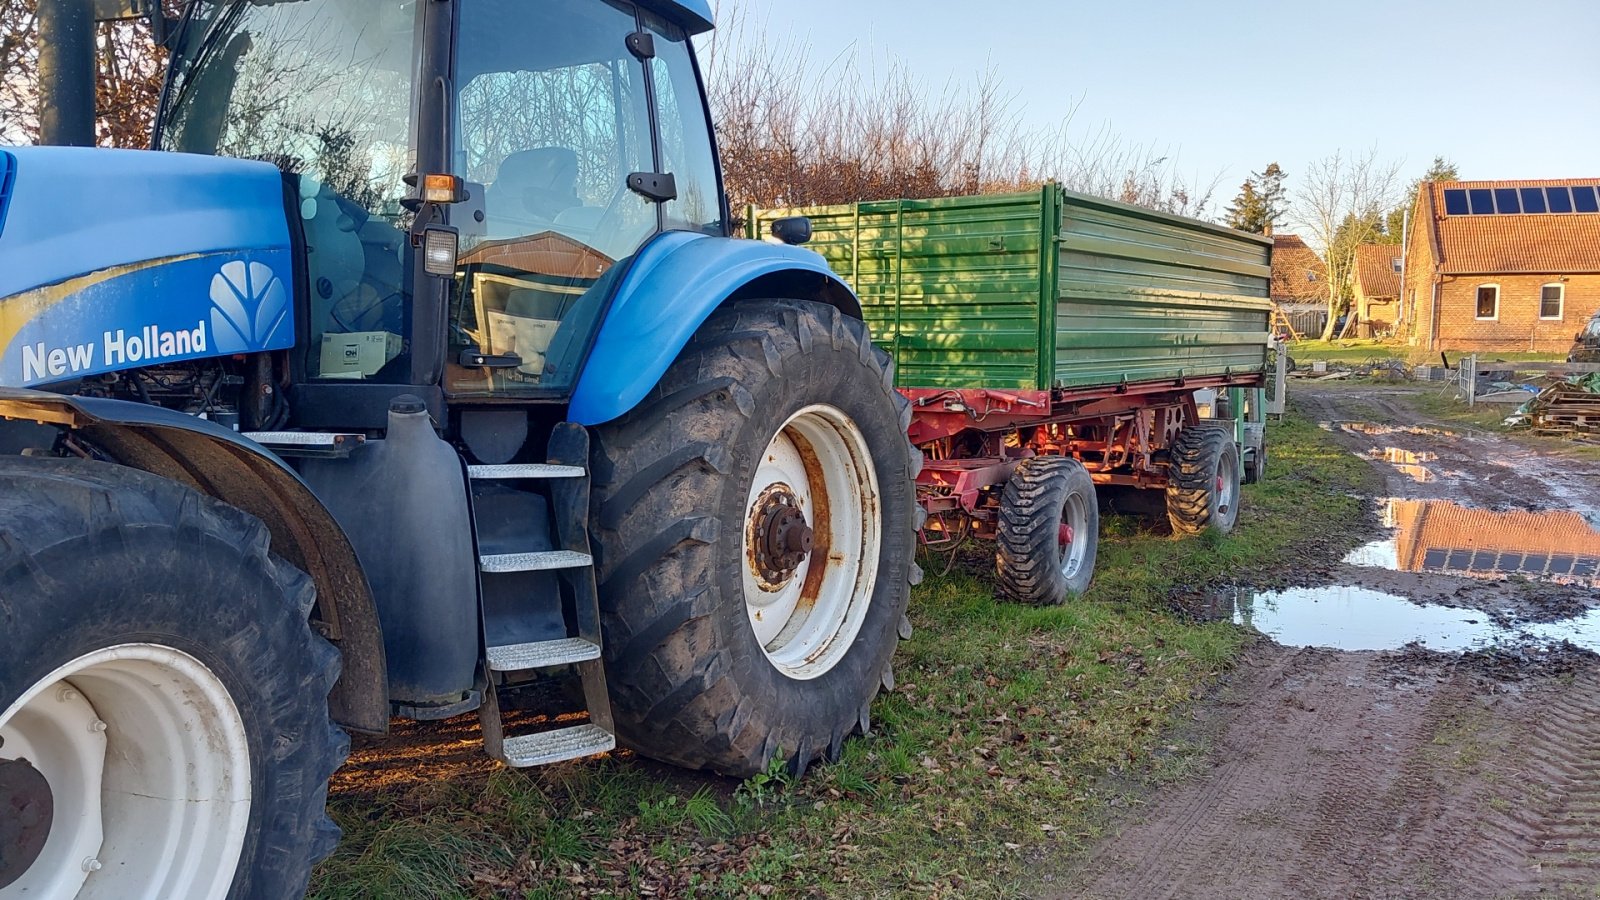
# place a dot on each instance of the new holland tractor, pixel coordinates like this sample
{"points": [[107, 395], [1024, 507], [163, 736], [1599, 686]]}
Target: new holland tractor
{"points": [[415, 373]]}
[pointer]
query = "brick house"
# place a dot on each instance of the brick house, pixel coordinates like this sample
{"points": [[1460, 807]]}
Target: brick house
{"points": [[1299, 283], [1502, 265], [1375, 286]]}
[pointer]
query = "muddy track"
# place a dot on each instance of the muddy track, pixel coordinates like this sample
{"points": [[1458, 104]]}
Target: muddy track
{"points": [[1394, 774], [1377, 775]]}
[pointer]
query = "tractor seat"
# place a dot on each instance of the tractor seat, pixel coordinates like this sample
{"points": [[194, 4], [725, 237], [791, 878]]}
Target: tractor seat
{"points": [[532, 188]]}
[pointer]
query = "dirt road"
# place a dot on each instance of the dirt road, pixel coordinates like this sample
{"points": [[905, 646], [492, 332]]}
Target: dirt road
{"points": [[1452, 747]]}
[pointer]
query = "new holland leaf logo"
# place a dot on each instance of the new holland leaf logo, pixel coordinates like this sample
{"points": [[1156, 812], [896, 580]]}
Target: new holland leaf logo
{"points": [[248, 305]]}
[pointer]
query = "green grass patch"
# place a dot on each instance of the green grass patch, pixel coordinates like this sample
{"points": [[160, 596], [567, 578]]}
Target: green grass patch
{"points": [[1010, 732], [1361, 350]]}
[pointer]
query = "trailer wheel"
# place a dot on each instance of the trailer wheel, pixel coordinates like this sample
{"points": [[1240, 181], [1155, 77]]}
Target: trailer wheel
{"points": [[1049, 531], [1255, 466], [164, 727], [1203, 480], [755, 528]]}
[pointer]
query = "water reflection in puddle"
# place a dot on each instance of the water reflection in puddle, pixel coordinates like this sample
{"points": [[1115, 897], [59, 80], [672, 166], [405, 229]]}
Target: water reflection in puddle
{"points": [[1408, 462], [1369, 428], [1355, 618], [1440, 537]]}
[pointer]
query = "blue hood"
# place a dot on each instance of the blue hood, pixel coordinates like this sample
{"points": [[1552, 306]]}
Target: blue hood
{"points": [[110, 259]]}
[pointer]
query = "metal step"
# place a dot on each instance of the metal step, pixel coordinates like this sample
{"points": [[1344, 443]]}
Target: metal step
{"points": [[542, 654], [523, 470], [545, 747], [307, 443], [499, 563]]}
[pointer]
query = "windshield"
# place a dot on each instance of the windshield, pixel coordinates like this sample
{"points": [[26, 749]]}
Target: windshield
{"points": [[321, 89], [553, 115]]}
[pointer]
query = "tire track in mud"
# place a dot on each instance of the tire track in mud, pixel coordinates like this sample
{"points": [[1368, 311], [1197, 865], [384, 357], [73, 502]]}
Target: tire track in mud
{"points": [[1561, 761], [1295, 807], [1173, 847]]}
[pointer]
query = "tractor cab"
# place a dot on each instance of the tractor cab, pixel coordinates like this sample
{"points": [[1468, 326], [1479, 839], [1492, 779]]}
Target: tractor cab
{"points": [[470, 178]]}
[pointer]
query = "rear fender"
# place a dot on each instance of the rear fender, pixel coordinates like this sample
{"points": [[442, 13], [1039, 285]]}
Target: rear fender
{"points": [[215, 461], [673, 286]]}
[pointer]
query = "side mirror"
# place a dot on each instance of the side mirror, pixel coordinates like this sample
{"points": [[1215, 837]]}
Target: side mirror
{"points": [[793, 230], [161, 27]]}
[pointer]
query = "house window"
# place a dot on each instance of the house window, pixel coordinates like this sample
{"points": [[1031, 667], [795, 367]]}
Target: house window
{"points": [[1310, 275], [1551, 298], [1395, 263], [1489, 301]]}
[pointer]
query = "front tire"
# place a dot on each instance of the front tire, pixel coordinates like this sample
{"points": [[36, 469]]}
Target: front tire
{"points": [[162, 675], [755, 532]]}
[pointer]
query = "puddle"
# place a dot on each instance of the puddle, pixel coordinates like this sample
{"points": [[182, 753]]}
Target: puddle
{"points": [[1369, 428], [1356, 618], [1407, 462], [1444, 538]]}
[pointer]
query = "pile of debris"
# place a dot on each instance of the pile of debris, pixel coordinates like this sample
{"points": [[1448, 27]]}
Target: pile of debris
{"points": [[1566, 408]]}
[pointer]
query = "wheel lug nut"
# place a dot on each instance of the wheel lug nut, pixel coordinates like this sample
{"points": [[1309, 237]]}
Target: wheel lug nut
{"points": [[97, 726], [92, 865], [66, 695]]}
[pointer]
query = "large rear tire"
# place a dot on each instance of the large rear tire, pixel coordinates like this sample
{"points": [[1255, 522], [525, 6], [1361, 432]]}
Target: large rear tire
{"points": [[1203, 480], [161, 675], [1049, 531], [755, 533]]}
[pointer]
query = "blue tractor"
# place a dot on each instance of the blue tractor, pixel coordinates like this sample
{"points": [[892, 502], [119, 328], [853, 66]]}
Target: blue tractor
{"points": [[416, 374]]}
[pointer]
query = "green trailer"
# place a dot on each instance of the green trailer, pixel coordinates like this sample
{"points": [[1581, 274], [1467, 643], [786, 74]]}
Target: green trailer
{"points": [[1061, 352]]}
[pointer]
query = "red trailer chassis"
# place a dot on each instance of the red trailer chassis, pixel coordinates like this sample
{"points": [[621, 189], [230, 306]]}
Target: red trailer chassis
{"points": [[973, 439]]}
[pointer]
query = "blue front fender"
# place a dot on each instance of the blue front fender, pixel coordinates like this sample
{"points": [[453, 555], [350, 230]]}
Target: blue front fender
{"points": [[675, 283]]}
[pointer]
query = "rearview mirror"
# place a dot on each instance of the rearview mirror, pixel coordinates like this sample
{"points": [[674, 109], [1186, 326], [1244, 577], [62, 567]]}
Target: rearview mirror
{"points": [[122, 10], [793, 230]]}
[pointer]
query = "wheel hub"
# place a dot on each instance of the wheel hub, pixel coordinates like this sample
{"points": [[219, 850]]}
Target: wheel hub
{"points": [[782, 538], [27, 809]]}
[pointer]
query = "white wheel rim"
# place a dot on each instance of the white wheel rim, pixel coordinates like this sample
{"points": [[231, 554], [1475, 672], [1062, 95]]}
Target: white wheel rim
{"points": [[1074, 516], [806, 619], [1227, 473], [149, 772]]}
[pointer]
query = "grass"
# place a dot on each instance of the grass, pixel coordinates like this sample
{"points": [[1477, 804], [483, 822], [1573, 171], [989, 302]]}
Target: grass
{"points": [[1010, 734], [1361, 350]]}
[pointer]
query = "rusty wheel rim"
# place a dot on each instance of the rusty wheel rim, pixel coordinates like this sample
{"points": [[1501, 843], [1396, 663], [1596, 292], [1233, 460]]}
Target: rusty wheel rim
{"points": [[811, 542]]}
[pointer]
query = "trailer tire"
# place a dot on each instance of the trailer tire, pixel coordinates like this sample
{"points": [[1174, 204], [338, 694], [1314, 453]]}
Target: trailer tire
{"points": [[1203, 480], [147, 622], [1255, 466], [1049, 532], [686, 496]]}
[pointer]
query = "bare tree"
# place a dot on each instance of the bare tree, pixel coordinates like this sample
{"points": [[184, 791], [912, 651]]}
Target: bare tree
{"points": [[129, 69], [1340, 206], [797, 133]]}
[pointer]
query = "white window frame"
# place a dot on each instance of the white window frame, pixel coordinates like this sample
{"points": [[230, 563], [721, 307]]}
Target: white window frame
{"points": [[1561, 302], [1475, 291]]}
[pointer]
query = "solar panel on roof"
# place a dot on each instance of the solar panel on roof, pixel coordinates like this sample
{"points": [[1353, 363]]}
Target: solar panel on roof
{"points": [[1533, 200], [1482, 201], [1455, 202], [1583, 199], [1505, 201], [1560, 200]]}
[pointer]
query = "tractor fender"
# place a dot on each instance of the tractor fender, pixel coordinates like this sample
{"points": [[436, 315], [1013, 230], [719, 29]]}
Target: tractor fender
{"points": [[216, 461], [672, 287]]}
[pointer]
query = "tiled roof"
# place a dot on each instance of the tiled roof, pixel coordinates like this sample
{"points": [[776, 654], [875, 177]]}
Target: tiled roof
{"points": [[1541, 243], [1375, 270], [1292, 262]]}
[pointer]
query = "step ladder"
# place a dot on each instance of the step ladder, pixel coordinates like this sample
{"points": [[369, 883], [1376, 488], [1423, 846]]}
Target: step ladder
{"points": [[518, 555]]}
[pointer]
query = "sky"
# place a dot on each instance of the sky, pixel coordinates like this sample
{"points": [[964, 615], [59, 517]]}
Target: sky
{"points": [[1503, 89]]}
